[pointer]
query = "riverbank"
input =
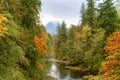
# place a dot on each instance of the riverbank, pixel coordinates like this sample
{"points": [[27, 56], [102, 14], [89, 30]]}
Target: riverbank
{"points": [[59, 70], [91, 77], [85, 73], [50, 78]]}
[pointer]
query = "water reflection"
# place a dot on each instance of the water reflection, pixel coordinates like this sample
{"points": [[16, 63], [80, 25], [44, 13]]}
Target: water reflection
{"points": [[59, 72]]}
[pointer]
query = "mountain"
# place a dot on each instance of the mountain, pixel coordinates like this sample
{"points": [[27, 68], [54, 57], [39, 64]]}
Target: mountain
{"points": [[51, 27]]}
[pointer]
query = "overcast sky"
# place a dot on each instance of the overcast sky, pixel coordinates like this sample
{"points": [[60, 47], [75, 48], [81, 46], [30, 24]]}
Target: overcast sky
{"points": [[59, 10]]}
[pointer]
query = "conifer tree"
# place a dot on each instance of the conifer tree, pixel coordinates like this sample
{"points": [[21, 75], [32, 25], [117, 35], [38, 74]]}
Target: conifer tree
{"points": [[108, 18], [91, 13], [83, 15], [61, 39]]}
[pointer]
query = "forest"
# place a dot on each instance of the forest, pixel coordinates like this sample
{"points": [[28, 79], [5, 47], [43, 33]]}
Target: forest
{"points": [[91, 47]]}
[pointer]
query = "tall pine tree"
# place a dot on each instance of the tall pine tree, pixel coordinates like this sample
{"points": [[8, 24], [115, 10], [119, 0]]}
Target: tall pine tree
{"points": [[91, 13], [108, 18], [61, 40], [83, 15]]}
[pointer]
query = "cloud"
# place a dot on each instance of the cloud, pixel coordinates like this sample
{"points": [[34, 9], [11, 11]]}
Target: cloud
{"points": [[46, 18], [58, 10], [62, 7]]}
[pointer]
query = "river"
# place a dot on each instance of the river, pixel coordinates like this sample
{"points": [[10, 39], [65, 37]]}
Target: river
{"points": [[59, 72]]}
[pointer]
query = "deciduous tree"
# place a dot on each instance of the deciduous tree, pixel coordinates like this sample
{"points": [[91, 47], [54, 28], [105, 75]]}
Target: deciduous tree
{"points": [[110, 68]]}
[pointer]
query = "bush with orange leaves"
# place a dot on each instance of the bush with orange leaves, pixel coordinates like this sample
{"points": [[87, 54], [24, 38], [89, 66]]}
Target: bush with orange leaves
{"points": [[3, 29], [113, 42], [111, 66], [40, 66], [40, 45]]}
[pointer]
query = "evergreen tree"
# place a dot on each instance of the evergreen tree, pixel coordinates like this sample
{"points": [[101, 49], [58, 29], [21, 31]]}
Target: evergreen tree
{"points": [[92, 48], [31, 11], [83, 15], [108, 18], [73, 44], [61, 39], [25, 12], [62, 36], [91, 13]]}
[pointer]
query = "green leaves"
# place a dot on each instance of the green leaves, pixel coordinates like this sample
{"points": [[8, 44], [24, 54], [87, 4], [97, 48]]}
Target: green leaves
{"points": [[18, 61]]}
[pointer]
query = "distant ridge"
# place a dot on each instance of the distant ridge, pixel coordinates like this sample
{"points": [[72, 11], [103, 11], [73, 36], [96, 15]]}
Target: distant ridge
{"points": [[51, 27]]}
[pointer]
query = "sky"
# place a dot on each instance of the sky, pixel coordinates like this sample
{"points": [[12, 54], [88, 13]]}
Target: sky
{"points": [[59, 10]]}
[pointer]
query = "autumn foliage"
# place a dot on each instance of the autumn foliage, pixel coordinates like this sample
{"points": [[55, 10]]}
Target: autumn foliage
{"points": [[113, 42], [40, 45], [40, 66], [43, 32], [111, 66], [3, 29]]}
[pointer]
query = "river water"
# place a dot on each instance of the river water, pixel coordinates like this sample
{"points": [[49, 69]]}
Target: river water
{"points": [[60, 73]]}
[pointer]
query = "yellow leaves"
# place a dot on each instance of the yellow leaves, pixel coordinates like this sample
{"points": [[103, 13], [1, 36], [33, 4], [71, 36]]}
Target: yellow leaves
{"points": [[40, 45], [86, 29], [2, 18], [3, 29]]}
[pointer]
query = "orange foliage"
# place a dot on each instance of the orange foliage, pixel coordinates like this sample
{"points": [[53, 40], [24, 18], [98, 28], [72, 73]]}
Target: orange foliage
{"points": [[110, 68], [113, 42], [40, 66], [40, 44], [109, 63], [3, 29]]}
